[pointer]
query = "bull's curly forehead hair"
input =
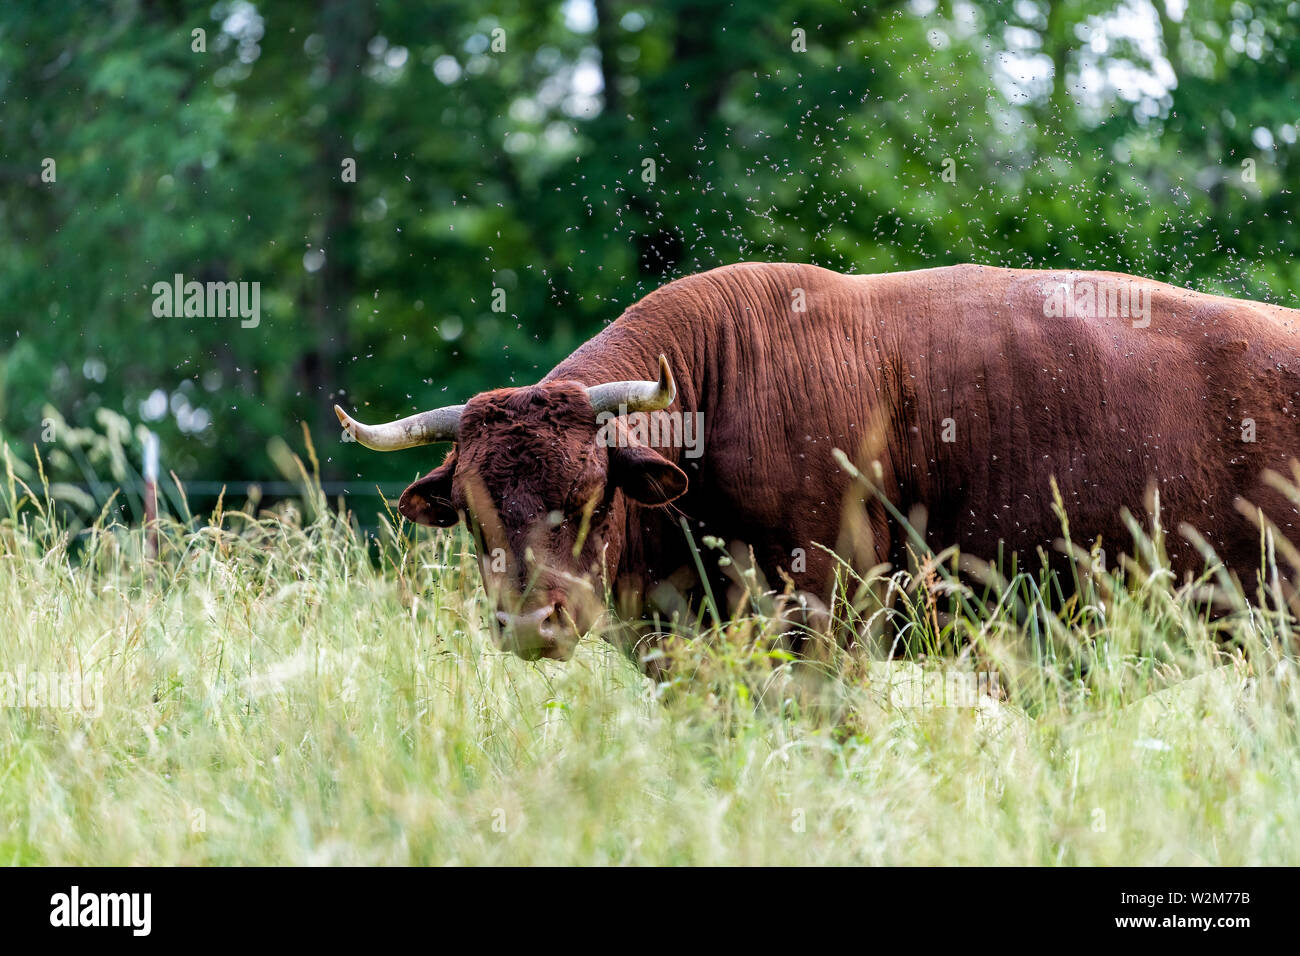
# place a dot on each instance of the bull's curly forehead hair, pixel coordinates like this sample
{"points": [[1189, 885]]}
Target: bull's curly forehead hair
{"points": [[560, 405], [541, 439]]}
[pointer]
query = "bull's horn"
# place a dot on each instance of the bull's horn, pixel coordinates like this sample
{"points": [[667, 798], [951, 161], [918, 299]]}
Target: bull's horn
{"points": [[424, 428], [635, 396]]}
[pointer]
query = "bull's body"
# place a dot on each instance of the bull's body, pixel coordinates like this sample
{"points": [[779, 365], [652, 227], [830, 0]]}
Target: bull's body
{"points": [[962, 390], [886, 367]]}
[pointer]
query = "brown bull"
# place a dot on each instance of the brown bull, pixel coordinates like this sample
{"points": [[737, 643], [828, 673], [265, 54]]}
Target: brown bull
{"points": [[964, 389]]}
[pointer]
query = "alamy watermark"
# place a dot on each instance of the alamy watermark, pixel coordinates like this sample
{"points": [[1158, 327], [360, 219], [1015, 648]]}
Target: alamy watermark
{"points": [[674, 429], [75, 908], [53, 690], [942, 688], [211, 300], [1100, 297]]}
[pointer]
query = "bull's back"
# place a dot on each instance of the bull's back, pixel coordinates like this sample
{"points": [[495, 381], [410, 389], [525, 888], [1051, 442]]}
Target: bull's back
{"points": [[974, 388]]}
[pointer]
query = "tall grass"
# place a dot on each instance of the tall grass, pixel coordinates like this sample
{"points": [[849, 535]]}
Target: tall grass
{"points": [[280, 688]]}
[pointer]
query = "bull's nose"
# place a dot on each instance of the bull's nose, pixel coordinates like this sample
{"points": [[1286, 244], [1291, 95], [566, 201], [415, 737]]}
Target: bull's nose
{"points": [[542, 622], [539, 632]]}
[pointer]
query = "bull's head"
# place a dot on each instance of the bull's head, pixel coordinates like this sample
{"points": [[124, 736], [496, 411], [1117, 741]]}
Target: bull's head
{"points": [[544, 491]]}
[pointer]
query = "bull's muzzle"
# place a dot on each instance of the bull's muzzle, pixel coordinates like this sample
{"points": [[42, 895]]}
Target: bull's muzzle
{"points": [[543, 632]]}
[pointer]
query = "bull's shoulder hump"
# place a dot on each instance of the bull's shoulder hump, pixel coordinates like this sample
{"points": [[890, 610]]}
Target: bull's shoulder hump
{"points": [[737, 290]]}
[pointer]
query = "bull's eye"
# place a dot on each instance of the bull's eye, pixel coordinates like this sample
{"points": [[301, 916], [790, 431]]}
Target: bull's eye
{"points": [[555, 519]]}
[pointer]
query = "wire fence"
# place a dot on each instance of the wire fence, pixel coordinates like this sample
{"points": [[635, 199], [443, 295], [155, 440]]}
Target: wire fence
{"points": [[282, 488], [136, 502], [274, 488]]}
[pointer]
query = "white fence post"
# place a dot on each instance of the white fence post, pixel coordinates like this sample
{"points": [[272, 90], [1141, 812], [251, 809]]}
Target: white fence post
{"points": [[151, 492]]}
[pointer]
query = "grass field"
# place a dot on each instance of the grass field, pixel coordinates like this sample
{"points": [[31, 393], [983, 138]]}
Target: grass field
{"points": [[277, 690]]}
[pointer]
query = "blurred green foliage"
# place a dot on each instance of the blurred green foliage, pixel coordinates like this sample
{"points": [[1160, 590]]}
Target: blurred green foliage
{"points": [[1082, 134]]}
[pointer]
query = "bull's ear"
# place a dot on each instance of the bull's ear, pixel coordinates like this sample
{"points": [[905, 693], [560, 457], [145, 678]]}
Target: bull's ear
{"points": [[427, 500], [645, 475]]}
